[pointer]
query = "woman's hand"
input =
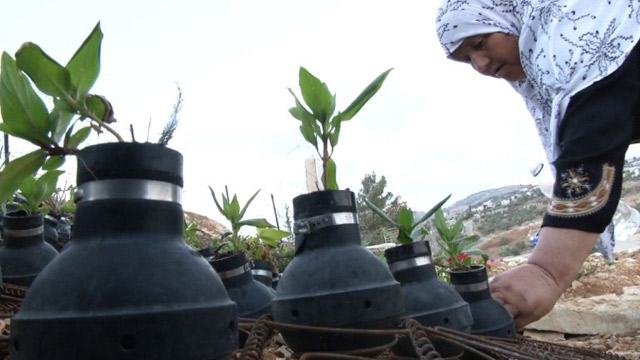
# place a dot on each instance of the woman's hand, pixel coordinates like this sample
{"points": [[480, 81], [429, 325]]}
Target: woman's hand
{"points": [[530, 291]]}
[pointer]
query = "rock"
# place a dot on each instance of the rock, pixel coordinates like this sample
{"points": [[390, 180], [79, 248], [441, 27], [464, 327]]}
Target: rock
{"points": [[283, 352], [551, 336], [605, 314]]}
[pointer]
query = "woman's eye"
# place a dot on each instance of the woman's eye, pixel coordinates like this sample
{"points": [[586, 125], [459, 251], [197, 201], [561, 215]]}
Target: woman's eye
{"points": [[479, 44]]}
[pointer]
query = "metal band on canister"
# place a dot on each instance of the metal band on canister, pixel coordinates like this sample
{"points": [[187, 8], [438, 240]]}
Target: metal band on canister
{"points": [[471, 287], [312, 224], [129, 189], [22, 233], [262, 272], [234, 272], [409, 263]]}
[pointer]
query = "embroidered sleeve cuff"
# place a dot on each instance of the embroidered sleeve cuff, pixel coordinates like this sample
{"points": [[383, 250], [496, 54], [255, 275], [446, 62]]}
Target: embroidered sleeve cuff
{"points": [[581, 203]]}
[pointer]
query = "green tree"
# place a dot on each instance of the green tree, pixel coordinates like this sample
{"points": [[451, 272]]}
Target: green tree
{"points": [[372, 225]]}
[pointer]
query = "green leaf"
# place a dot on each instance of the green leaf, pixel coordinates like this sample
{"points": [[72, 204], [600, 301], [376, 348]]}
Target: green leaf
{"points": [[100, 107], [332, 109], [442, 227], [299, 112], [469, 242], [405, 219], [271, 236], [432, 211], [215, 200], [80, 136], [23, 112], [244, 208], [17, 171], [333, 135], [405, 224], [28, 192], [457, 227], [226, 206], [234, 208], [316, 95], [332, 183], [417, 232], [53, 162], [259, 223], [84, 66], [49, 76], [46, 184], [306, 128], [60, 118], [380, 213], [467, 261], [362, 99], [404, 237]]}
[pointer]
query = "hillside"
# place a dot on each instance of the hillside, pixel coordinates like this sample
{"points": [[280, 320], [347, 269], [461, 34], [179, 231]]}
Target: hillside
{"points": [[507, 217]]}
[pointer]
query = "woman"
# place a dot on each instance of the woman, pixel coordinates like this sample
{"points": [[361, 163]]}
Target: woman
{"points": [[577, 66]]}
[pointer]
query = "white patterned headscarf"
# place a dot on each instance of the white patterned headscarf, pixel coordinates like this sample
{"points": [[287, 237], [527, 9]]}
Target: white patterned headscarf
{"points": [[565, 46], [460, 19]]}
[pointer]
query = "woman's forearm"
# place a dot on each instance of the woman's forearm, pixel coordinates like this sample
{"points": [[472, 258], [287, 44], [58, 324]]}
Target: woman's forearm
{"points": [[531, 290], [561, 253]]}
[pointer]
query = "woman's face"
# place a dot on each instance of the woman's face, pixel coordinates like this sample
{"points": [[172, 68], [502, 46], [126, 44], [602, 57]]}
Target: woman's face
{"points": [[495, 54]]}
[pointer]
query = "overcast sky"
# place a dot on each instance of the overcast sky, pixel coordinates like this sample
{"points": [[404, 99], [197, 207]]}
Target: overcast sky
{"points": [[435, 127]]}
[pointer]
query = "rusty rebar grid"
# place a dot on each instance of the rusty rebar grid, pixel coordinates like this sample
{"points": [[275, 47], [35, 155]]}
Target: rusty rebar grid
{"points": [[258, 337], [422, 346], [11, 300], [348, 355], [482, 347], [14, 291], [524, 348]]}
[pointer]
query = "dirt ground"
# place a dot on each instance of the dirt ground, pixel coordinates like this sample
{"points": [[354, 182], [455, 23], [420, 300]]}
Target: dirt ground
{"points": [[494, 245], [597, 278]]}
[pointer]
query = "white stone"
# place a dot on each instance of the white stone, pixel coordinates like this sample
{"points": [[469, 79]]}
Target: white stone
{"points": [[544, 335], [605, 314]]}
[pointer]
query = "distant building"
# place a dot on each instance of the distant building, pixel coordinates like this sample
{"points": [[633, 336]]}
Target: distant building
{"points": [[488, 204]]}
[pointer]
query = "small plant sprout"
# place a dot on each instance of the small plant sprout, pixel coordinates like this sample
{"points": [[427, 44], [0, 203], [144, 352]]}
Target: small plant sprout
{"points": [[232, 241], [34, 191], [459, 248], [408, 229], [192, 234], [55, 132], [61, 204], [319, 126], [172, 124], [266, 241]]}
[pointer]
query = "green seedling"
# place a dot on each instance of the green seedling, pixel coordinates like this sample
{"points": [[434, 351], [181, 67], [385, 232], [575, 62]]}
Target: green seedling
{"points": [[409, 230], [232, 241], [56, 132], [319, 126], [34, 191], [458, 248]]}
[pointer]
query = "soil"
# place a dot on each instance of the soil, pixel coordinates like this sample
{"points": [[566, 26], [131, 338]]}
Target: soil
{"points": [[495, 244], [597, 278]]}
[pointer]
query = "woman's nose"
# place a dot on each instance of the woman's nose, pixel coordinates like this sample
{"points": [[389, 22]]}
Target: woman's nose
{"points": [[480, 63]]}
